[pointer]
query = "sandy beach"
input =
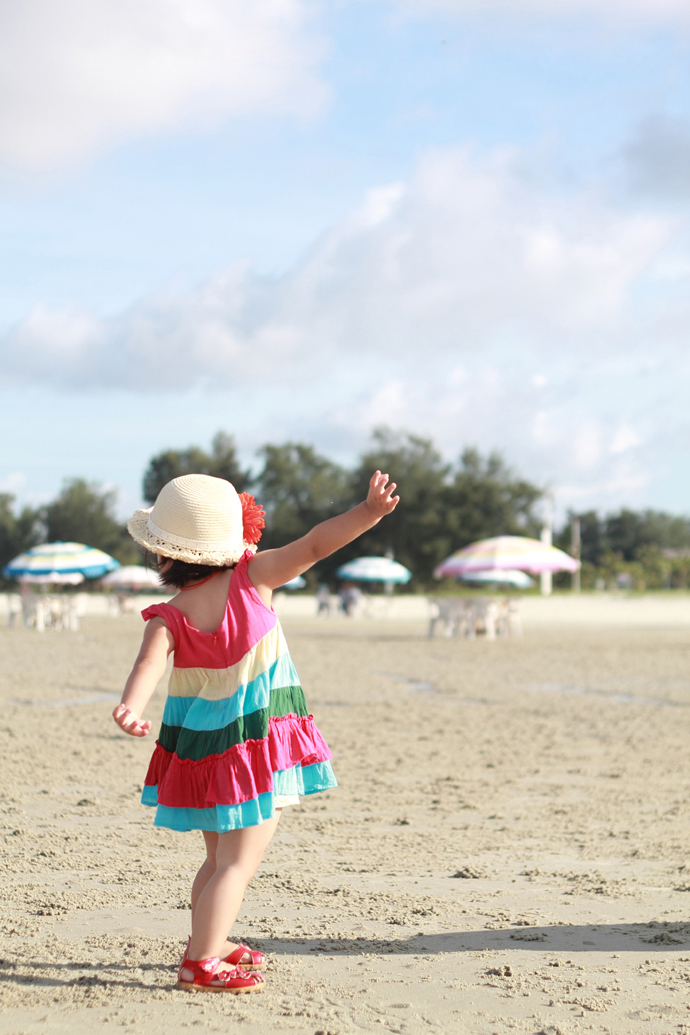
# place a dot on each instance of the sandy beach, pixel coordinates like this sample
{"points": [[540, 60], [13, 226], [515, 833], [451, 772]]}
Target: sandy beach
{"points": [[507, 850]]}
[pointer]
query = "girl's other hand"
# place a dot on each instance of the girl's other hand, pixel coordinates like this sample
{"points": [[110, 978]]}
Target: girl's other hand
{"points": [[130, 722], [380, 498]]}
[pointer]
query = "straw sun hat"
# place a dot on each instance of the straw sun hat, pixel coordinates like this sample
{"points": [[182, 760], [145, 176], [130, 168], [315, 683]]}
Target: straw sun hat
{"points": [[201, 520]]}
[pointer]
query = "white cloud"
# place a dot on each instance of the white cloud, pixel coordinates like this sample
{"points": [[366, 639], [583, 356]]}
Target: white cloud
{"points": [[380, 202], [587, 446], [624, 439], [79, 76], [464, 262], [14, 483], [543, 431], [430, 308], [602, 10], [604, 494]]}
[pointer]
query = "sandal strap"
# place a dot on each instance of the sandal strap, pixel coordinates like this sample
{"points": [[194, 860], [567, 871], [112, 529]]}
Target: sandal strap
{"points": [[203, 970], [204, 973], [235, 957]]}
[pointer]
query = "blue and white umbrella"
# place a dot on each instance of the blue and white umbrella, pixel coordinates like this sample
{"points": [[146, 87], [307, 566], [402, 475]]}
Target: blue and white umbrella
{"points": [[61, 559], [53, 578], [508, 577], [374, 569]]}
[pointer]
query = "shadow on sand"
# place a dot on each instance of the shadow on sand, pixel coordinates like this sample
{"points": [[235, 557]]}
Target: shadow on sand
{"points": [[650, 937], [647, 938]]}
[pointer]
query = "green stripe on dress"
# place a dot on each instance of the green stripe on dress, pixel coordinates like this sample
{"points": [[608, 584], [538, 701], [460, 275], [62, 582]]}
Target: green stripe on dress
{"points": [[196, 744]]}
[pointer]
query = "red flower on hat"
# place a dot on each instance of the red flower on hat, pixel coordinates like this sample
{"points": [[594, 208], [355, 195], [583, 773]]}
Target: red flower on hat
{"points": [[252, 518]]}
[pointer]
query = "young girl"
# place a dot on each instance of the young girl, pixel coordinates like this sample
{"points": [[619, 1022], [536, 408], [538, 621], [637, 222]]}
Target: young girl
{"points": [[236, 743]]}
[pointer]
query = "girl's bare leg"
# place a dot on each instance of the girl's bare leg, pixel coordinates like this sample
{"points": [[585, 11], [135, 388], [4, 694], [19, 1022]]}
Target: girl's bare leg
{"points": [[219, 895], [204, 874], [207, 868]]}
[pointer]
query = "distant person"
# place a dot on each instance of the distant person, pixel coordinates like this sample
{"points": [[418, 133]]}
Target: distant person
{"points": [[354, 600], [221, 765], [350, 599], [323, 600], [342, 597]]}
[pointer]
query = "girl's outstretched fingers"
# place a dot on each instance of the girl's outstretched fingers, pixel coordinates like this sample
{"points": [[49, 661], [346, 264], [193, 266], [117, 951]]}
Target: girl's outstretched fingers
{"points": [[130, 722], [380, 497]]}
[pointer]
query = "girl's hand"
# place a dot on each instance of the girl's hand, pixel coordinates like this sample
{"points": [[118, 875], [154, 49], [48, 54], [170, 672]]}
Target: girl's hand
{"points": [[270, 569], [380, 499], [130, 722]]}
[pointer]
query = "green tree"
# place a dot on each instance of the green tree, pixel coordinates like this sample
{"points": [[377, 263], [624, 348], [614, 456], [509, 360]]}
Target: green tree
{"points": [[84, 513], [442, 507], [649, 546], [628, 531], [221, 462], [298, 488], [486, 498], [17, 534], [415, 533], [593, 542]]}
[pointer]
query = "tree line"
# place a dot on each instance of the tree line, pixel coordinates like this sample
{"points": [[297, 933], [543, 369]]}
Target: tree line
{"points": [[646, 549], [445, 505]]}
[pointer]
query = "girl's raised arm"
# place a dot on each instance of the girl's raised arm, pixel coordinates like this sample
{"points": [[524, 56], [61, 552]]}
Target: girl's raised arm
{"points": [[143, 679], [273, 568]]}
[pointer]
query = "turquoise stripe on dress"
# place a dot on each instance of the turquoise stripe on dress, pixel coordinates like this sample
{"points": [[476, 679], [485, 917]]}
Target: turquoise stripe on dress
{"points": [[299, 780], [149, 795], [251, 697], [219, 818], [176, 708], [304, 779]]}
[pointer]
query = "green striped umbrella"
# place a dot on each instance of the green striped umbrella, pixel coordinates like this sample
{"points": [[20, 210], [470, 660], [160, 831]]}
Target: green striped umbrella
{"points": [[61, 559]]}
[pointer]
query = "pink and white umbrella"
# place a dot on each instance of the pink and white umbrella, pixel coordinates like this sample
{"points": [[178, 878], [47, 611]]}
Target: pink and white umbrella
{"points": [[133, 576], [506, 551]]}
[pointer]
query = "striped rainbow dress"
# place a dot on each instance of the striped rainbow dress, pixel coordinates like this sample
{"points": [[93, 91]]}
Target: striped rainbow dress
{"points": [[236, 733]]}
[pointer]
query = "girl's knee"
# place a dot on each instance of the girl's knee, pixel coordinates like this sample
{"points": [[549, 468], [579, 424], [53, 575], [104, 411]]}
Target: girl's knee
{"points": [[238, 871], [208, 866]]}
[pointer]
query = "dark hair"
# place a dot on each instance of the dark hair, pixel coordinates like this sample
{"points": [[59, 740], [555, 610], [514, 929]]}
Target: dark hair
{"points": [[181, 573]]}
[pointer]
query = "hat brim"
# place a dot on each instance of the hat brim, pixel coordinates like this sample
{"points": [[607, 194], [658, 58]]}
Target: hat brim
{"points": [[137, 526]]}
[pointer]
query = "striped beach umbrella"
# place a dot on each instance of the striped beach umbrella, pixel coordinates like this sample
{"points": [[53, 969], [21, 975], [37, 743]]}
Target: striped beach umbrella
{"points": [[133, 576], [374, 569], [506, 551], [61, 559], [509, 577], [53, 578]]}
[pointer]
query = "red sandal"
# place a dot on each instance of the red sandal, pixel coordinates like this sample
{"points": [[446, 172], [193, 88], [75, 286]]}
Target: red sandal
{"points": [[257, 960], [206, 979]]}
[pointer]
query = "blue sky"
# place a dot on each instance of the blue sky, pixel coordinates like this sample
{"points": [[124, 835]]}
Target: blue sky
{"points": [[464, 219]]}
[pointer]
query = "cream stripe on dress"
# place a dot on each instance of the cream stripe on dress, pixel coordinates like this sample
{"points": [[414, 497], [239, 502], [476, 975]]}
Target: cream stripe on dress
{"points": [[215, 684]]}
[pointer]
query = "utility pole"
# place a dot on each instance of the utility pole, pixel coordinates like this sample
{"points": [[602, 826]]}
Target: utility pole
{"points": [[576, 551], [546, 579]]}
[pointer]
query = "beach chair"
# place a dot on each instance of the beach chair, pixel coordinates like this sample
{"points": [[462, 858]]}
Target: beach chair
{"points": [[514, 618], [483, 616], [14, 608], [502, 623], [466, 620], [451, 613], [56, 613]]}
